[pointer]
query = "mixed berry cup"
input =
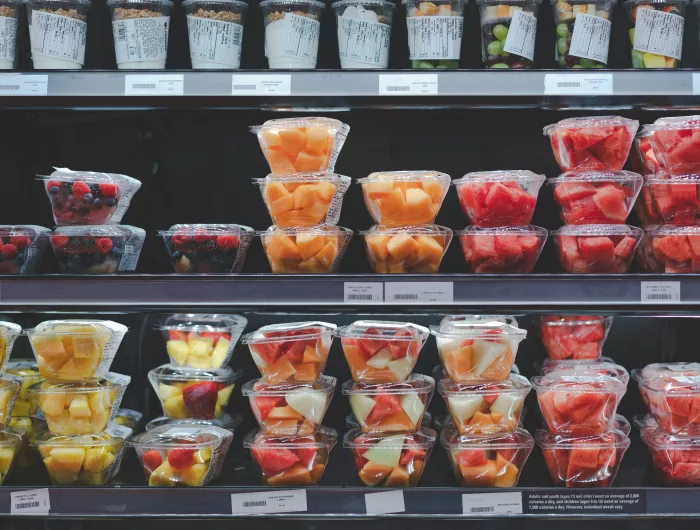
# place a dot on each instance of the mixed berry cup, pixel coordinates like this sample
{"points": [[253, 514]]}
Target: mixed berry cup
{"points": [[28, 371], [406, 249], [665, 50], [506, 250], [672, 201], [674, 248], [501, 48], [434, 32], [676, 143], [590, 46], [22, 247], [601, 249], [574, 337], [10, 447], [225, 421], [586, 367], [676, 457]]}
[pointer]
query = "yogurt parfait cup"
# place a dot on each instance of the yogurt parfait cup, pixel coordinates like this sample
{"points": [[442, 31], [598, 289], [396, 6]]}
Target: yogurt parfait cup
{"points": [[292, 30], [651, 47], [588, 46], [364, 33], [434, 42], [508, 31], [57, 33], [9, 16], [215, 29], [140, 30]]}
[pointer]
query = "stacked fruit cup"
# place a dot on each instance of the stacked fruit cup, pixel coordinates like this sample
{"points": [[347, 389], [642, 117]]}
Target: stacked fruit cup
{"points": [[14, 435]]}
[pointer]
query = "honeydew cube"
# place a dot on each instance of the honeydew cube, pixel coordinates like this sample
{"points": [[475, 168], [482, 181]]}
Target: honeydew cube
{"points": [[201, 347], [224, 395], [580, 8], [311, 405], [193, 476], [413, 406], [507, 405], [218, 356], [512, 10], [7, 455], [387, 451], [380, 360], [68, 459], [85, 347], [591, 9], [93, 459], [464, 406], [79, 407], [401, 368], [52, 404], [484, 353], [178, 350], [168, 391], [316, 138], [445, 10], [309, 245], [361, 406], [401, 246], [203, 455]]}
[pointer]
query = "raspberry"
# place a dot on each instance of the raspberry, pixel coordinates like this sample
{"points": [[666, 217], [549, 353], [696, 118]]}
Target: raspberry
{"points": [[202, 236], [20, 241], [80, 189], [9, 251], [227, 242], [180, 239], [52, 183], [181, 458], [108, 190], [104, 245], [59, 241], [151, 460]]}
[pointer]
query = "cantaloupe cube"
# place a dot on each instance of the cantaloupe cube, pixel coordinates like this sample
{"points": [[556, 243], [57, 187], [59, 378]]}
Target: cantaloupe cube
{"points": [[326, 190], [316, 138], [312, 265], [282, 205], [372, 474], [311, 355], [292, 140], [304, 196], [67, 459], [281, 247], [317, 210], [52, 404], [48, 346], [99, 419], [378, 188], [280, 161], [398, 478], [93, 459], [429, 250], [429, 9], [377, 247], [381, 267], [70, 371], [434, 189], [317, 472], [275, 191], [294, 218], [296, 475], [53, 362], [277, 266], [396, 268], [269, 139], [480, 475], [308, 162], [306, 372], [481, 419], [309, 245], [327, 255], [284, 413], [392, 205], [79, 407], [502, 11], [280, 370], [401, 246], [507, 473], [458, 363], [419, 206]]}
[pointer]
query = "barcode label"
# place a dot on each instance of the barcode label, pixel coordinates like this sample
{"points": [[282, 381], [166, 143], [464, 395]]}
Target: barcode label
{"points": [[481, 509], [420, 292], [30, 502], [409, 84], [24, 84], [405, 297], [492, 503], [354, 292], [121, 32], [659, 297], [23, 505], [385, 502], [154, 85], [398, 89], [254, 504], [244, 87], [578, 84], [253, 85], [568, 84], [9, 87], [149, 86], [269, 502], [660, 292]]}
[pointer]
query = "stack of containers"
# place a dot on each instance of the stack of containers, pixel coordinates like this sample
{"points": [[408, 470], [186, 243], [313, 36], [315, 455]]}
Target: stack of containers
{"points": [[14, 440], [290, 401], [25, 416]]}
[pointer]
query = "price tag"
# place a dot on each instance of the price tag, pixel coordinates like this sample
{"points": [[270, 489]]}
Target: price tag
{"points": [[23, 85], [408, 84], [385, 502], [363, 292], [30, 502], [154, 85], [661, 292], [269, 502], [588, 84], [696, 83], [252, 85], [492, 503], [418, 292]]}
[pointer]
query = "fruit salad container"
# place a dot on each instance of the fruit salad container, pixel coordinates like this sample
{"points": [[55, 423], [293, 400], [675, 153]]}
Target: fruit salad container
{"points": [[406, 249], [128, 418], [487, 408], [301, 145], [291, 460], [676, 457], [676, 144], [674, 247], [589, 51], [487, 461], [9, 332], [506, 250], [499, 47], [188, 393], [290, 409], [225, 421], [622, 424], [499, 198], [201, 341], [9, 390], [596, 367], [583, 461], [22, 248], [97, 249], [204, 14], [672, 201], [598, 143], [439, 373], [89, 197], [643, 159], [644, 255], [28, 371], [578, 405], [182, 455], [381, 351], [597, 249], [75, 350], [207, 248], [665, 48], [505, 319], [395, 461], [574, 337], [10, 446], [294, 351], [434, 42], [390, 407], [352, 423], [306, 250], [303, 199], [357, 49], [28, 428]]}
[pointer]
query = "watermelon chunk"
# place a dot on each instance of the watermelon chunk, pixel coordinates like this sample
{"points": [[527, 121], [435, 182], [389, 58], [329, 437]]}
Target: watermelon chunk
{"points": [[596, 249], [386, 405], [612, 203], [568, 192], [272, 461], [674, 248], [502, 253], [625, 247], [584, 457], [592, 148], [471, 457], [495, 204], [269, 352], [265, 404]]}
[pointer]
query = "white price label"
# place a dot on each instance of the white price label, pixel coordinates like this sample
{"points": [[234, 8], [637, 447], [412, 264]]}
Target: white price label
{"points": [[696, 83], [154, 85], [521, 35], [591, 38], [30, 502], [8, 38], [418, 292], [363, 292], [251, 85], [661, 292], [408, 84], [435, 37], [214, 41], [492, 503], [23, 85], [364, 42], [269, 502], [587, 84], [385, 502], [659, 32]]}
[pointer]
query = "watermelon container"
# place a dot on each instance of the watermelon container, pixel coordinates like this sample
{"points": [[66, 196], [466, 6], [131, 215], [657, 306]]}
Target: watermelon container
{"points": [[620, 423], [596, 249], [394, 461], [505, 319], [676, 457], [505, 250], [642, 11], [406, 249], [642, 159], [644, 255], [574, 337], [487, 461], [381, 351], [352, 423], [499, 198], [672, 201], [674, 248], [291, 460], [645, 209], [676, 144], [586, 198], [583, 462], [587, 368], [598, 143], [565, 14]]}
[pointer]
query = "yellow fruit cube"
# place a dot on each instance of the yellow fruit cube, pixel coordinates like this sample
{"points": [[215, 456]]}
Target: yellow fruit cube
{"points": [[224, 395], [67, 459], [93, 459], [85, 347], [203, 455], [178, 350], [201, 347], [218, 356], [7, 455], [99, 400], [168, 391], [193, 476], [91, 478], [52, 404], [107, 460], [175, 407], [99, 419], [163, 475], [79, 407], [203, 363]]}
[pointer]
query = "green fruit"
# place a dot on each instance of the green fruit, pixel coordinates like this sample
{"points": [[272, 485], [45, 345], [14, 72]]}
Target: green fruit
{"points": [[500, 65], [562, 46], [423, 64], [448, 63], [563, 31], [495, 47], [637, 59], [500, 32], [562, 60], [577, 66], [631, 34], [588, 63], [600, 65]]}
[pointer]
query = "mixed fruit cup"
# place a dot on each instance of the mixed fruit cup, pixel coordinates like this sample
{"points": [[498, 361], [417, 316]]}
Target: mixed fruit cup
{"points": [[496, 18], [597, 248], [317, 249], [225, 421], [407, 249], [9, 390], [22, 247], [642, 59], [565, 14], [673, 201], [436, 8], [574, 337], [506, 250], [675, 142]]}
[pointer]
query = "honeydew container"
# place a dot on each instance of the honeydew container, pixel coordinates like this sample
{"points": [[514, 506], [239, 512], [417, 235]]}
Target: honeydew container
{"points": [[226, 421], [434, 32], [364, 33]]}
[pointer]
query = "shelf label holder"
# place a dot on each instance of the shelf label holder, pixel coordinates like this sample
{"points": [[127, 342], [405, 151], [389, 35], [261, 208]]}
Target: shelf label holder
{"points": [[660, 292], [588, 84], [154, 85], [492, 503], [385, 502], [408, 84], [269, 502], [418, 292], [24, 85], [30, 502], [261, 85]]}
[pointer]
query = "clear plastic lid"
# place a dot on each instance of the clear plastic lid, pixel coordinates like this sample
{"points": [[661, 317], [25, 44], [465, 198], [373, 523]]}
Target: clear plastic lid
{"points": [[194, 230], [675, 122], [670, 180], [10, 329], [225, 421], [77, 387], [67, 175], [528, 230], [406, 176], [23, 230], [323, 438], [378, 3], [422, 439], [10, 437], [516, 384], [129, 413], [305, 178], [590, 121], [645, 421], [505, 319], [519, 176], [324, 230], [232, 3], [386, 329], [166, 3], [103, 439], [203, 323], [621, 177], [289, 331], [574, 320], [295, 123], [257, 387], [622, 424], [168, 372], [679, 378], [599, 230], [590, 384], [476, 330], [421, 230], [416, 383], [587, 367], [451, 439], [664, 441], [548, 440], [67, 327], [183, 435], [97, 231]]}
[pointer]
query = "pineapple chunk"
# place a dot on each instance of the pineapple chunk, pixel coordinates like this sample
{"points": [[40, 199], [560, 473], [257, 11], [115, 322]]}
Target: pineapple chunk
{"points": [[193, 476], [7, 454], [99, 419], [5, 397], [218, 356], [61, 477], [178, 350], [168, 391], [91, 478], [79, 407], [21, 409], [203, 363], [224, 395], [93, 459], [67, 459], [163, 475], [98, 400], [201, 347], [107, 460], [203, 455], [175, 407]]}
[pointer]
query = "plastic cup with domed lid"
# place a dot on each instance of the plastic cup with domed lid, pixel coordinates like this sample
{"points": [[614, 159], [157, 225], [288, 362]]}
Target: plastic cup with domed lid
{"points": [[364, 33], [140, 29], [508, 31], [215, 29], [9, 17], [57, 33], [583, 30], [434, 32], [655, 32], [292, 29]]}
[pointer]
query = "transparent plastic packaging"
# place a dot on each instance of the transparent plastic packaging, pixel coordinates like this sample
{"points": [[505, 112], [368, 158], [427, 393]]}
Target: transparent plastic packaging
{"points": [[215, 30], [498, 17], [434, 32], [439, 373], [676, 144], [28, 371], [676, 457], [622, 424], [505, 319], [597, 249], [592, 37], [9, 19], [28, 428], [643, 159], [9, 332], [406, 249], [672, 201], [587, 367], [364, 33], [574, 337], [507, 250], [282, 17], [9, 390], [649, 15], [57, 33], [645, 422], [674, 247], [128, 418], [225, 421], [140, 29], [22, 246], [10, 444], [352, 423], [644, 255]]}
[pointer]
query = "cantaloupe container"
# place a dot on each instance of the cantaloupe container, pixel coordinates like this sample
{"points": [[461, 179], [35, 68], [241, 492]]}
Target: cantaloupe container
{"points": [[10, 442], [306, 250], [666, 49], [406, 249]]}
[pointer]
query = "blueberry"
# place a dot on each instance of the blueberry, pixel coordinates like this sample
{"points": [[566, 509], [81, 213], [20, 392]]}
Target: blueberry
{"points": [[177, 254], [53, 190], [88, 198], [97, 204], [109, 203]]}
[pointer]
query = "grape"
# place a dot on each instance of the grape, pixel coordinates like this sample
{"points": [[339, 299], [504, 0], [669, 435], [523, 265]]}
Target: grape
{"points": [[500, 32], [577, 66], [563, 30], [562, 46], [424, 64], [562, 60], [587, 63], [495, 47], [448, 63]]}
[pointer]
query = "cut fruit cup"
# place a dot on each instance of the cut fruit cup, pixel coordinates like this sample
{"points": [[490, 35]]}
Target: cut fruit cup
{"points": [[308, 250], [352, 423], [381, 351], [498, 51], [22, 247], [290, 409], [676, 144], [390, 407], [192, 393], [587, 368], [75, 350], [643, 12], [596, 143], [140, 29], [10, 10], [597, 249], [487, 408], [182, 455], [28, 371], [499, 198], [291, 460], [128, 418], [574, 337], [505, 319], [294, 351], [395, 461], [645, 256], [9, 390], [643, 159], [404, 198], [280, 16], [676, 248], [372, 53], [506, 250], [672, 201], [207, 248], [27, 428], [487, 461], [51, 48], [676, 457], [10, 444], [406, 249], [9, 332], [97, 249], [303, 199], [202, 341], [565, 14], [225, 421], [434, 42]]}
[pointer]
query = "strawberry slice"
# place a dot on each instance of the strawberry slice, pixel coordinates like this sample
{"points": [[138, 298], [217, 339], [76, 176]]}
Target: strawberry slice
{"points": [[369, 346], [386, 405], [174, 334], [181, 458], [200, 398]]}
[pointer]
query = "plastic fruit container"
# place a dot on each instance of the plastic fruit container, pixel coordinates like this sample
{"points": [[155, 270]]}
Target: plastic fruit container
{"points": [[395, 461], [587, 368], [674, 248], [574, 337], [202, 341], [643, 159], [487, 408], [9, 390], [364, 33], [294, 351], [390, 407], [591, 41], [207, 248], [28, 371], [9, 332], [583, 461], [645, 422], [10, 10], [225, 421], [676, 144], [128, 418], [652, 48], [487, 461], [439, 373], [672, 201], [676, 457], [500, 47], [57, 33], [22, 246], [291, 460], [622, 424], [507, 250], [381, 351], [504, 319], [292, 408], [499, 198], [352, 423], [406, 249], [182, 455], [597, 249], [644, 255], [434, 32], [598, 143], [10, 444], [28, 428], [404, 198], [303, 15], [215, 29], [75, 350], [308, 250], [303, 199]]}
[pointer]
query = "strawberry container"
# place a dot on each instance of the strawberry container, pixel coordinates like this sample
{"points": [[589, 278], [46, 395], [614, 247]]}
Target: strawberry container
{"points": [[583, 461], [294, 351], [505, 319], [207, 248], [506, 250], [643, 159], [225, 421], [390, 407], [406, 249], [291, 460], [394, 461], [22, 247], [28, 371], [676, 457], [574, 337], [352, 423], [585, 54], [674, 247], [291, 408], [586, 367], [128, 418], [10, 447], [597, 249], [600, 143], [676, 144], [499, 198], [672, 201]]}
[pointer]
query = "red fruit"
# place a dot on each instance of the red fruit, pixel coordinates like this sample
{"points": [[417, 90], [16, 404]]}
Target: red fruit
{"points": [[471, 458], [151, 460], [104, 245], [568, 192], [9, 251], [596, 249], [268, 352], [227, 242], [625, 247], [200, 398], [294, 350], [108, 190], [386, 405], [59, 241], [272, 461], [201, 236], [306, 455], [174, 334], [674, 248], [371, 346], [266, 403], [80, 189], [400, 348], [215, 335], [611, 201], [411, 454], [181, 458], [53, 184], [20, 241]]}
